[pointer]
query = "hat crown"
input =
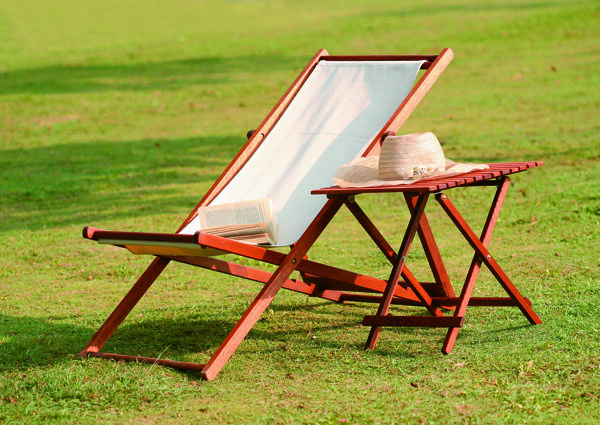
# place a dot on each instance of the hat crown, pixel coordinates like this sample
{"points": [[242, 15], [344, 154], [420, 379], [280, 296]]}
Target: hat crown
{"points": [[410, 157]]}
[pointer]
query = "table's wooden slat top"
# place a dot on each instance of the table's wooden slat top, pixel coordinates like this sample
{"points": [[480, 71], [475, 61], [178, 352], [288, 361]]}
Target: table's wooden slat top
{"points": [[436, 185]]}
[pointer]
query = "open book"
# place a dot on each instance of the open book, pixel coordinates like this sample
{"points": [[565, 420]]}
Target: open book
{"points": [[246, 221]]}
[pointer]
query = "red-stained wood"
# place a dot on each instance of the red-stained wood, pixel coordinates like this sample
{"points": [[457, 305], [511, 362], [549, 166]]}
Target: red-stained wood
{"points": [[125, 306], [480, 301], [99, 234], [436, 185], [376, 299], [427, 58], [432, 252], [386, 248], [438, 301], [150, 360], [329, 277], [495, 175], [392, 283], [412, 283], [330, 273], [268, 292], [487, 259], [246, 272], [326, 287], [359, 282], [469, 285], [413, 321]]}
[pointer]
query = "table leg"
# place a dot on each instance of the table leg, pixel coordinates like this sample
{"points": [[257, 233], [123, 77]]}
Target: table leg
{"points": [[481, 255], [386, 301]]}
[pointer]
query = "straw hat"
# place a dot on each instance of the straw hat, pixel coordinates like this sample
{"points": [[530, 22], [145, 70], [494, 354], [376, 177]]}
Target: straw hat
{"points": [[404, 160]]}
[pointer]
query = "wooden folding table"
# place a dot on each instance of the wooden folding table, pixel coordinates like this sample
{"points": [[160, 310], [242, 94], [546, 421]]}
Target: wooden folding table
{"points": [[417, 195]]}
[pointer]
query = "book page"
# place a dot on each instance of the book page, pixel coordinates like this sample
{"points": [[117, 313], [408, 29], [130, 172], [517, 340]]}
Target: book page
{"points": [[249, 215], [238, 230], [246, 212], [216, 218], [238, 219]]}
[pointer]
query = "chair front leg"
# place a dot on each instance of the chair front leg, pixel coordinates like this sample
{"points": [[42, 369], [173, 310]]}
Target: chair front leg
{"points": [[271, 288]]}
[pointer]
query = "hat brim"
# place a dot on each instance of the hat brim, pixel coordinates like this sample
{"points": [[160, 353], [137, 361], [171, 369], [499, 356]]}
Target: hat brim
{"points": [[362, 172]]}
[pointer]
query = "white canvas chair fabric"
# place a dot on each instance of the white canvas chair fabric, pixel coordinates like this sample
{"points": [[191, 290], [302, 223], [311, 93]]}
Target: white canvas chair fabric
{"points": [[337, 112]]}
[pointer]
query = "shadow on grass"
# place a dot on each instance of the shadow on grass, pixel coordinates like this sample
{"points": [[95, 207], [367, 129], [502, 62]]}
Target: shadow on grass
{"points": [[30, 342], [46, 187], [33, 342], [434, 9], [169, 75], [176, 338]]}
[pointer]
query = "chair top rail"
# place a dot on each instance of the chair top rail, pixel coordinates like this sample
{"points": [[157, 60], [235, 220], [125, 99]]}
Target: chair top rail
{"points": [[429, 59]]}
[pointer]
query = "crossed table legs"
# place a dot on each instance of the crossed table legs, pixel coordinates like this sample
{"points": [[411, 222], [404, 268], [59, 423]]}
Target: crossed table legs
{"points": [[482, 255]]}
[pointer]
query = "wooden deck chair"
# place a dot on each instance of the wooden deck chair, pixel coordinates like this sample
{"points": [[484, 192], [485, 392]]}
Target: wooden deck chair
{"points": [[339, 107]]}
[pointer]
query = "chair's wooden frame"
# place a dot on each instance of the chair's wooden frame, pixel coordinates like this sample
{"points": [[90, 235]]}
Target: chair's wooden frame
{"points": [[318, 279]]}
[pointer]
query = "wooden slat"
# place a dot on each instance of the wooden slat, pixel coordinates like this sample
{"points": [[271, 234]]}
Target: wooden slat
{"points": [[98, 234], [440, 301], [357, 280], [429, 58], [436, 185], [414, 321], [335, 274], [250, 273], [480, 301], [149, 360], [426, 65], [412, 100], [361, 298]]}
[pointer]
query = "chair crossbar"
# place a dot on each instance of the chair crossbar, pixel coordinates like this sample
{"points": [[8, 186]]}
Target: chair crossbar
{"points": [[149, 360], [444, 302], [413, 321], [480, 301], [322, 277]]}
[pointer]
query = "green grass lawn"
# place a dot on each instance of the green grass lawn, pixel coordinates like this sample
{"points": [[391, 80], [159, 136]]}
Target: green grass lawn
{"points": [[120, 114]]}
